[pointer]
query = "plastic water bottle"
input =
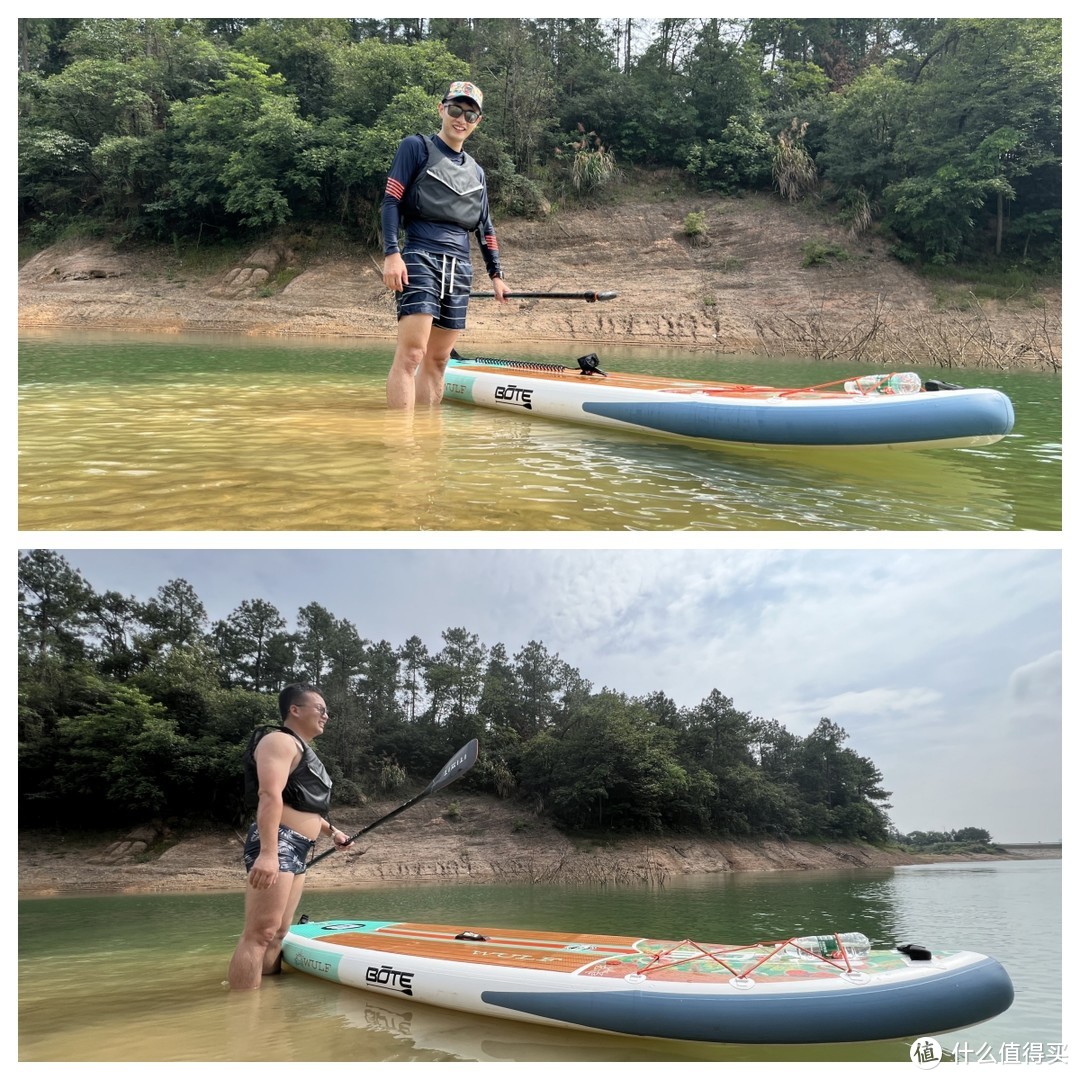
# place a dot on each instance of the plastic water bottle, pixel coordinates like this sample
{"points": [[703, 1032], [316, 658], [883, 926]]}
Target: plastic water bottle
{"points": [[856, 945], [898, 382]]}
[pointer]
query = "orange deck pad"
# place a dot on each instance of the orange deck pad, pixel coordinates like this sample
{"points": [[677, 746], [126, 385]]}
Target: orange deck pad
{"points": [[608, 957], [536, 951]]}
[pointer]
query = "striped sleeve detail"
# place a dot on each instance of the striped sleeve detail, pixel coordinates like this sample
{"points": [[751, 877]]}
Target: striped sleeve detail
{"points": [[394, 188], [490, 242]]}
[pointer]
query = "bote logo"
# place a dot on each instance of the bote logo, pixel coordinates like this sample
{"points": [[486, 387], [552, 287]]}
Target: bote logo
{"points": [[389, 979], [514, 395]]}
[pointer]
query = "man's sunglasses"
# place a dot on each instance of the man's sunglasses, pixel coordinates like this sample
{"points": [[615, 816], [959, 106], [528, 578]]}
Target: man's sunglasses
{"points": [[471, 115]]}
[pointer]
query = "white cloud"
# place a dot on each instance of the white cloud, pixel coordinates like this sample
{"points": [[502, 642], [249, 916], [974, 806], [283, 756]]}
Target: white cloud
{"points": [[1034, 693]]}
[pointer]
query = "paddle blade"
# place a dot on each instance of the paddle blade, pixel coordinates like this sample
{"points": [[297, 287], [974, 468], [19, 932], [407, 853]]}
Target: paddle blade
{"points": [[456, 767]]}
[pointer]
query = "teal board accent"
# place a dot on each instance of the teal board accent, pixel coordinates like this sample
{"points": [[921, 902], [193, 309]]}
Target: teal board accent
{"points": [[458, 385], [313, 960], [338, 926]]}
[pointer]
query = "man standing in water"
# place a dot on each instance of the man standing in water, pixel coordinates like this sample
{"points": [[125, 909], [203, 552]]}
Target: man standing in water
{"points": [[438, 194], [293, 793]]}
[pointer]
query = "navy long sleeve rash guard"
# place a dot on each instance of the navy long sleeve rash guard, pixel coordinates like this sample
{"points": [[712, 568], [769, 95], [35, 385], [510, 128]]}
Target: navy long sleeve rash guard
{"points": [[438, 237]]}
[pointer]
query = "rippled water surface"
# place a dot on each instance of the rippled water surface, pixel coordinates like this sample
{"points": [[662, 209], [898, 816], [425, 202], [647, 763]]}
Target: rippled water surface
{"points": [[140, 978], [192, 433]]}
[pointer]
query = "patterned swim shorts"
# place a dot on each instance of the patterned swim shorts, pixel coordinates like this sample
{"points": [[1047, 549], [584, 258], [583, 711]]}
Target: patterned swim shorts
{"points": [[439, 286], [293, 849]]}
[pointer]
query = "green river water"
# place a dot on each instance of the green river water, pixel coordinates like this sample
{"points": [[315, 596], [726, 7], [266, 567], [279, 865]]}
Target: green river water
{"points": [[140, 977], [139, 433]]}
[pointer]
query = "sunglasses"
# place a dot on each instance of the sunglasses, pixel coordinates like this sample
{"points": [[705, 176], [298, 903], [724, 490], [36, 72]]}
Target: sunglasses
{"points": [[471, 115]]}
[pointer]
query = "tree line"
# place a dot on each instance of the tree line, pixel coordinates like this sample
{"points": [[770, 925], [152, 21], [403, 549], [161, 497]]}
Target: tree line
{"points": [[947, 132], [134, 709]]}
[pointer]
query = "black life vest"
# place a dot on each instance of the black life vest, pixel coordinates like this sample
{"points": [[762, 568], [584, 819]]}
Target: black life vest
{"points": [[308, 786]]}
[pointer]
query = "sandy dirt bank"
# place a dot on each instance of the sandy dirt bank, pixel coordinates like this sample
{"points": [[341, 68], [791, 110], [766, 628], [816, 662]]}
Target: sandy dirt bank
{"points": [[744, 290], [463, 837]]}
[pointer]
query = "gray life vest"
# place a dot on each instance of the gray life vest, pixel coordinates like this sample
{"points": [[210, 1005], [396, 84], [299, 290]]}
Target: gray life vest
{"points": [[446, 191]]}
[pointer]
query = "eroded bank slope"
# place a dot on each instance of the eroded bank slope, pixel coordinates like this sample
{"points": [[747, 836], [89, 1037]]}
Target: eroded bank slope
{"points": [[745, 290], [447, 836]]}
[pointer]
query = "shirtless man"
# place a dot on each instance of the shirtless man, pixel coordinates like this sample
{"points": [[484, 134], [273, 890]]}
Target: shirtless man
{"points": [[293, 791]]}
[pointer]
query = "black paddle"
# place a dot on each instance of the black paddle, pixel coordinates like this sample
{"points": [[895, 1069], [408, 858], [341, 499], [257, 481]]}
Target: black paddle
{"points": [[588, 297], [455, 768]]}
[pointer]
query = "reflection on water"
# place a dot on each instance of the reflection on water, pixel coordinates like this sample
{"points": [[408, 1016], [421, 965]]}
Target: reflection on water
{"points": [[145, 435]]}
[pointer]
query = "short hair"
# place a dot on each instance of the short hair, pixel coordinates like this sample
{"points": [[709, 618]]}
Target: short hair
{"points": [[291, 696]]}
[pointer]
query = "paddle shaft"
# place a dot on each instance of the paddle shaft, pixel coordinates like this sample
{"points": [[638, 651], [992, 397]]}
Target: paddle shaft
{"points": [[588, 297], [455, 768]]}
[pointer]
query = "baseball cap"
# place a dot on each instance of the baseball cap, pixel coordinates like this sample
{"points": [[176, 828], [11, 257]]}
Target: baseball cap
{"points": [[466, 90]]}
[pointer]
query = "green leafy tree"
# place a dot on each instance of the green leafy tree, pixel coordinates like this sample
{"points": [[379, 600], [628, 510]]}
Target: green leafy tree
{"points": [[988, 100], [790, 86], [864, 124], [609, 771], [120, 762], [840, 790], [239, 150], [454, 676], [655, 120], [115, 621], [662, 711], [972, 835], [519, 82], [305, 52], [42, 46], [348, 738], [55, 668], [314, 637], [92, 132], [185, 680], [537, 677], [740, 158], [501, 707], [584, 67], [175, 618], [245, 640], [413, 657], [53, 598], [723, 80], [369, 76]]}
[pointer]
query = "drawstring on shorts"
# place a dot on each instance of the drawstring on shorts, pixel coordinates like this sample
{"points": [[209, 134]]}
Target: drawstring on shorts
{"points": [[443, 290]]}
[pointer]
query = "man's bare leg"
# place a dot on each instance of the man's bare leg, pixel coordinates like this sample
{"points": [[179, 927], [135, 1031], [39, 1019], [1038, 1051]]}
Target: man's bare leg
{"points": [[429, 382], [412, 342], [272, 957], [264, 912]]}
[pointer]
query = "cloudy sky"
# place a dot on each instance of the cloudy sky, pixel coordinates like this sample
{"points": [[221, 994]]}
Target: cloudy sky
{"points": [[944, 667]]}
